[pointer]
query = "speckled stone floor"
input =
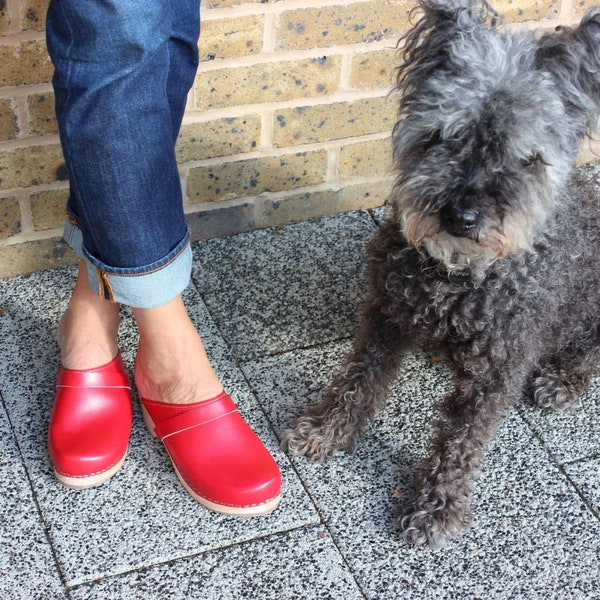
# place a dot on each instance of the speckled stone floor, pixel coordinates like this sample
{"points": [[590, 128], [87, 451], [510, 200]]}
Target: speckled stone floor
{"points": [[277, 311]]}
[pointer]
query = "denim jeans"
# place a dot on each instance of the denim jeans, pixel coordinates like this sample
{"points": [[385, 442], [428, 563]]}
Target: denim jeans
{"points": [[123, 69]]}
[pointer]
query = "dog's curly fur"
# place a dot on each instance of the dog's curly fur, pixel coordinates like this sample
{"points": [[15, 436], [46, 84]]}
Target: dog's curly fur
{"points": [[490, 255]]}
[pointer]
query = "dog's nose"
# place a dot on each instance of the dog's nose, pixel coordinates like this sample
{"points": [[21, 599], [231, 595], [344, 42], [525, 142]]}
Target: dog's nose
{"points": [[459, 221]]}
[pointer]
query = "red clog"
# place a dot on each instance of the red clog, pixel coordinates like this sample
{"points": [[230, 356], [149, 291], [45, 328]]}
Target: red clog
{"points": [[90, 424], [216, 455]]}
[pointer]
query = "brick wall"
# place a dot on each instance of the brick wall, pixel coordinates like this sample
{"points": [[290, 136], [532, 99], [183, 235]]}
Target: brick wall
{"points": [[289, 118]]}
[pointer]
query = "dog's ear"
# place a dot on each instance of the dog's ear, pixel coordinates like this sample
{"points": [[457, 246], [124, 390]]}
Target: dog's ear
{"points": [[572, 57], [424, 48]]}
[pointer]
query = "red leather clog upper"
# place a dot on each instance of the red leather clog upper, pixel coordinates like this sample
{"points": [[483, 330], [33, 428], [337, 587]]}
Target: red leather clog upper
{"points": [[216, 453], [91, 419]]}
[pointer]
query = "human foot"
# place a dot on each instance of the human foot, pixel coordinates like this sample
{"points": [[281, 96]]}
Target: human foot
{"points": [[216, 455], [171, 364], [91, 418], [87, 331]]}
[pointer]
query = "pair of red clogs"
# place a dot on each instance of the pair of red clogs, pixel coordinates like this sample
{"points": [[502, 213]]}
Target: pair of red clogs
{"points": [[216, 455]]}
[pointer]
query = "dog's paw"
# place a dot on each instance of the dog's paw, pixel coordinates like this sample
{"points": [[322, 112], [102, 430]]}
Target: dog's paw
{"points": [[554, 392], [318, 437], [434, 523], [303, 438]]}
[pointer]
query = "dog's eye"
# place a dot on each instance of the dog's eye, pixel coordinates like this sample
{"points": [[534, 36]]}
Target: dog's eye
{"points": [[531, 160]]}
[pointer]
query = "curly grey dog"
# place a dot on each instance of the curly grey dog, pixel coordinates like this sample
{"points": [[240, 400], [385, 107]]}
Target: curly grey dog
{"points": [[490, 255]]}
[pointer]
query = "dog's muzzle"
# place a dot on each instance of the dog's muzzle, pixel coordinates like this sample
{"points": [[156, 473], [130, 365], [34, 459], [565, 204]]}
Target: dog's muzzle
{"points": [[458, 221]]}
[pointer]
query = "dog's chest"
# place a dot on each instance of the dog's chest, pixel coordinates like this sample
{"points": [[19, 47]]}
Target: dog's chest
{"points": [[436, 308], [444, 309]]}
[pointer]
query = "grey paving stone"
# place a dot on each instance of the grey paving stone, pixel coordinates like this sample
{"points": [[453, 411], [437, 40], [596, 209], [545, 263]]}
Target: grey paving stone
{"points": [[278, 289], [586, 476], [571, 435], [532, 536], [302, 564], [380, 214], [27, 568], [142, 516]]}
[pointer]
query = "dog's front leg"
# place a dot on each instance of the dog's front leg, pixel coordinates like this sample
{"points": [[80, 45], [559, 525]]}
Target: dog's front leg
{"points": [[355, 395], [440, 509]]}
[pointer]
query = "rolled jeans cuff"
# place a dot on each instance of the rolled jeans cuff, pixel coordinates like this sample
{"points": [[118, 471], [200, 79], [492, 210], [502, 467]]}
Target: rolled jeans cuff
{"points": [[141, 287]]}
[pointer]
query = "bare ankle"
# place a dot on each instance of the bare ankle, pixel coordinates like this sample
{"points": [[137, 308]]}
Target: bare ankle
{"points": [[162, 387], [87, 331], [84, 345], [171, 363]]}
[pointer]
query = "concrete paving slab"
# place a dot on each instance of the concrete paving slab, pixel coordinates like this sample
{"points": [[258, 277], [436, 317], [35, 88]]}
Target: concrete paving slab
{"points": [[573, 434], [277, 289], [28, 570], [299, 564], [585, 475]]}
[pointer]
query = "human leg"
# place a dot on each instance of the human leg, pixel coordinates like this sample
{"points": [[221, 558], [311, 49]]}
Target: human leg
{"points": [[117, 122], [125, 172], [123, 69]]}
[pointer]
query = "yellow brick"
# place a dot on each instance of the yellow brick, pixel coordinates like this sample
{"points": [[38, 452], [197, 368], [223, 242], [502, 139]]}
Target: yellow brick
{"points": [[41, 113], [34, 165], [48, 209], [10, 217], [310, 124], [251, 177], [311, 205], [525, 10], [222, 137], [580, 6], [25, 64], [374, 69], [366, 158], [8, 121], [28, 257], [4, 17], [228, 38], [268, 82], [346, 24], [34, 15]]}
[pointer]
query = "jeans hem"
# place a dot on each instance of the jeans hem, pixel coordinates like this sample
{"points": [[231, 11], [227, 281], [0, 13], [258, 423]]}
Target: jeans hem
{"points": [[141, 287]]}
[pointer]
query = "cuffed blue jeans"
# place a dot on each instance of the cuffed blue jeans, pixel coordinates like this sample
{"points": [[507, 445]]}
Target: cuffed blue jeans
{"points": [[123, 69]]}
